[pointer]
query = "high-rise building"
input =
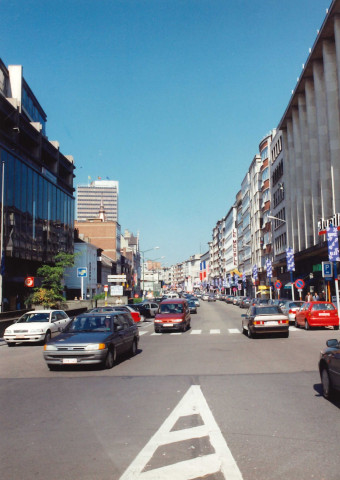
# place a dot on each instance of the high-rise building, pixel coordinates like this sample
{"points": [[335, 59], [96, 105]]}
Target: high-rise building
{"points": [[98, 193]]}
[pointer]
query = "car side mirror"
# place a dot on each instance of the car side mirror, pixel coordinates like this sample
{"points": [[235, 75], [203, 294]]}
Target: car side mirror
{"points": [[333, 343], [118, 328]]}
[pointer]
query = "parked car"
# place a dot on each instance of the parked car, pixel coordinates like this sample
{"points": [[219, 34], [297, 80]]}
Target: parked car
{"points": [[329, 368], [174, 314], [211, 298], [264, 319], [245, 302], [93, 338], [317, 314], [290, 309], [192, 306], [136, 316], [146, 308], [36, 326], [205, 297], [229, 298]]}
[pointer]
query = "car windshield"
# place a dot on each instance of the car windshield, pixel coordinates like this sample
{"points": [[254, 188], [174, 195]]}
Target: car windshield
{"points": [[171, 308], [322, 306], [270, 310], [34, 317], [90, 324]]}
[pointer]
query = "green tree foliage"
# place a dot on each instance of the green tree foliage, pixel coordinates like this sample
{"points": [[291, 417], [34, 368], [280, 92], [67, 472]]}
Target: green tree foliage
{"points": [[50, 293]]}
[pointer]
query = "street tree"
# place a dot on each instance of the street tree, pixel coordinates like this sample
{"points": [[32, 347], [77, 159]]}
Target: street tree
{"points": [[49, 294]]}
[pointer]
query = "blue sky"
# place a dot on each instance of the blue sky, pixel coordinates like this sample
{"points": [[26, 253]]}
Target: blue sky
{"points": [[169, 97]]}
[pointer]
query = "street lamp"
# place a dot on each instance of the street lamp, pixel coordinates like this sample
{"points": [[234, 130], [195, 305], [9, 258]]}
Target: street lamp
{"points": [[143, 252], [277, 218]]}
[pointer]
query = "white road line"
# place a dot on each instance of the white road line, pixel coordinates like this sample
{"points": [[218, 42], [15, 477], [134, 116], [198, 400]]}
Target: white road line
{"points": [[234, 330], [176, 333], [195, 332], [142, 333], [155, 334], [214, 331], [221, 461]]}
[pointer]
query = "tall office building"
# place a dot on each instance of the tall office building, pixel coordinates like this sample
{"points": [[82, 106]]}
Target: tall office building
{"points": [[90, 198]]}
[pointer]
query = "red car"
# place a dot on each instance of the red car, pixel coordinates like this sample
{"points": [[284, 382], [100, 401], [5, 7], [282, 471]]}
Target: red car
{"points": [[317, 314]]}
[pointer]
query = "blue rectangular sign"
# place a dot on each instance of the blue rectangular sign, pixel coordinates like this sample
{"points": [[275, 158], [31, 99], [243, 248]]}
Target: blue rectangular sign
{"points": [[82, 272]]}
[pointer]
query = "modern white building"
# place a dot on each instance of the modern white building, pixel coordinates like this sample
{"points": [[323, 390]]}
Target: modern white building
{"points": [[99, 194]]}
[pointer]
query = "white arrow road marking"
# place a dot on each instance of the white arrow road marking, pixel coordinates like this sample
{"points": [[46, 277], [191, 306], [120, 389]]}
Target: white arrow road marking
{"points": [[192, 404]]}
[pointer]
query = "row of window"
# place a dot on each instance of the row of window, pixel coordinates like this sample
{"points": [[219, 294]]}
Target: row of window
{"points": [[277, 174], [281, 243], [279, 195]]}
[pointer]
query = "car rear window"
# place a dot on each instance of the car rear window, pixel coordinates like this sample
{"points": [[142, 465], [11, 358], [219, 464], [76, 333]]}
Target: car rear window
{"points": [[273, 309], [322, 306]]}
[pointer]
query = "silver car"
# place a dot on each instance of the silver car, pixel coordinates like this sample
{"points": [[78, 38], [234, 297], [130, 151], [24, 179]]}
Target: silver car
{"points": [[290, 309]]}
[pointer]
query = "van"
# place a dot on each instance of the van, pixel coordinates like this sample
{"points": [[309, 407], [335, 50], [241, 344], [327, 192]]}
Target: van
{"points": [[173, 314], [171, 295]]}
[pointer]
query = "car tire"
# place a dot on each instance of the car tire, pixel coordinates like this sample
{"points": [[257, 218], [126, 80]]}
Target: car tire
{"points": [[286, 334], [52, 368], [327, 387], [336, 327], [250, 335], [10, 344], [47, 337], [134, 348], [157, 330], [296, 325], [110, 359], [244, 331], [307, 326]]}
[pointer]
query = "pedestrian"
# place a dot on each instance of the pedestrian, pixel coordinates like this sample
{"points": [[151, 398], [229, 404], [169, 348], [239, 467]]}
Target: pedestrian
{"points": [[308, 297], [322, 296], [316, 297]]}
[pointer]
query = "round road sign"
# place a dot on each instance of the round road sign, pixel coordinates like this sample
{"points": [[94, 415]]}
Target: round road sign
{"points": [[29, 281], [278, 284], [299, 283]]}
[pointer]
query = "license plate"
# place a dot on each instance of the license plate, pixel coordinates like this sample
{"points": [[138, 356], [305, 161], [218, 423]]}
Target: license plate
{"points": [[18, 337], [270, 324], [69, 360], [324, 314], [168, 325]]}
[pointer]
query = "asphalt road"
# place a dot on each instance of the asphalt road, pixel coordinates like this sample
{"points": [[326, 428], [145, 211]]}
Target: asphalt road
{"points": [[205, 403]]}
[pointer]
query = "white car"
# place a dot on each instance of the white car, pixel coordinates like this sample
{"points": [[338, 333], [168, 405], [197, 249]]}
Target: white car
{"points": [[36, 326]]}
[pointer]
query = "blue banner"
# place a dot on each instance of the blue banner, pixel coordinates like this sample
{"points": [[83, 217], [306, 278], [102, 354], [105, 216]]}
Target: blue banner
{"points": [[333, 244], [269, 268], [255, 276], [290, 260]]}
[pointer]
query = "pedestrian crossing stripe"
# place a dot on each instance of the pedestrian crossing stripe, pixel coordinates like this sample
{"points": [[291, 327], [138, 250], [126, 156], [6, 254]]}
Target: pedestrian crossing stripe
{"points": [[215, 331], [218, 460]]}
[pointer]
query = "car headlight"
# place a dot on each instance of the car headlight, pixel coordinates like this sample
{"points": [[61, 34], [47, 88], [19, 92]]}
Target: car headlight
{"points": [[8, 332], [49, 347], [95, 346]]}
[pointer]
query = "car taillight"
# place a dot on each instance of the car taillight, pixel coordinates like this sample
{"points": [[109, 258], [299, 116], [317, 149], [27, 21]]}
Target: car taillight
{"points": [[291, 311], [283, 322], [258, 322]]}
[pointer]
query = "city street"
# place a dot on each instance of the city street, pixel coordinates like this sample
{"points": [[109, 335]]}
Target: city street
{"points": [[208, 403]]}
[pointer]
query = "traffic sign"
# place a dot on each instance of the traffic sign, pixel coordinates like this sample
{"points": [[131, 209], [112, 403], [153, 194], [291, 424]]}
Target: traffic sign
{"points": [[116, 278], [82, 272], [299, 283], [278, 284], [327, 269], [29, 281]]}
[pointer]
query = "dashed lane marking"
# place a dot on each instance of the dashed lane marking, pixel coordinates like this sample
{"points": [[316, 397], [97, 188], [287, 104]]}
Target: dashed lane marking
{"points": [[195, 332], [234, 330], [157, 460], [214, 331]]}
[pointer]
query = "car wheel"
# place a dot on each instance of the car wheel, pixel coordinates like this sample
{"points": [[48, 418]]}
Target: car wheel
{"points": [[110, 359], [244, 331], [336, 327], [326, 384], [296, 324], [307, 326], [286, 334], [47, 336], [133, 349], [53, 368], [11, 344], [157, 330], [250, 335], [184, 327]]}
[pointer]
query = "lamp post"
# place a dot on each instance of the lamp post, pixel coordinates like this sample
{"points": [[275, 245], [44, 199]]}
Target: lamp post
{"points": [[291, 272], [143, 252]]}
